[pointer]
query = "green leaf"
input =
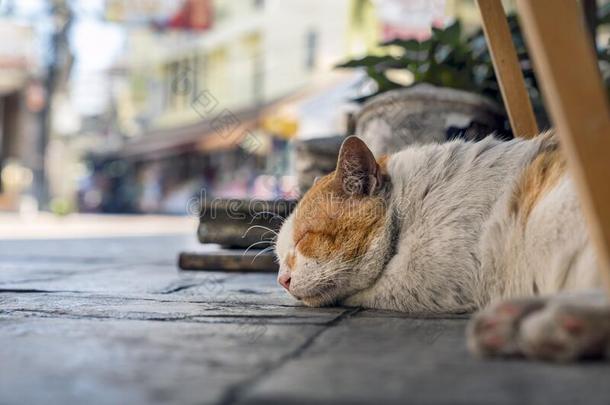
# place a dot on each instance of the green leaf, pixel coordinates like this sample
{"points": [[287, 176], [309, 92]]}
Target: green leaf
{"points": [[407, 44], [449, 35], [454, 31], [367, 61]]}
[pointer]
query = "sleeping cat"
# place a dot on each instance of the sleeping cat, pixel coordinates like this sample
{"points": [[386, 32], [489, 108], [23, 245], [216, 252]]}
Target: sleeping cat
{"points": [[454, 228]]}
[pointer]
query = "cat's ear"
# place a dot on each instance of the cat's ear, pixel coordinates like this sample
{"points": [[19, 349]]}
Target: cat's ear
{"points": [[357, 170]]}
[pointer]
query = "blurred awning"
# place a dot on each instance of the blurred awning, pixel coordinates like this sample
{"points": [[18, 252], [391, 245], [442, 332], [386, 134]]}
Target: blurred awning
{"points": [[317, 110], [282, 124], [202, 136], [220, 140], [18, 57], [193, 15], [11, 81], [251, 130]]}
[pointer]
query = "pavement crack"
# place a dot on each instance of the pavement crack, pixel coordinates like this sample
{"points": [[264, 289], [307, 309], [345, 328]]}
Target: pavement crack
{"points": [[190, 283], [183, 287], [159, 317], [55, 313], [29, 291], [236, 391]]}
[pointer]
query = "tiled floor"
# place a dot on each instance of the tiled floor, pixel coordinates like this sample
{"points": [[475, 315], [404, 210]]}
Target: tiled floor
{"points": [[112, 321]]}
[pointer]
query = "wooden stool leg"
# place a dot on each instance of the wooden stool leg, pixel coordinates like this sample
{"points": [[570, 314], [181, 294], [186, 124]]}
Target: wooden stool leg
{"points": [[507, 68], [567, 70]]}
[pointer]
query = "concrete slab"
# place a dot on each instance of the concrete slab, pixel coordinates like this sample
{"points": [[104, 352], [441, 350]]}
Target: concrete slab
{"points": [[63, 361], [111, 320], [371, 359]]}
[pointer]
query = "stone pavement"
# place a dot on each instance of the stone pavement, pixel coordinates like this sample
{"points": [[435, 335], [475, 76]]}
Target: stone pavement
{"points": [[112, 321]]}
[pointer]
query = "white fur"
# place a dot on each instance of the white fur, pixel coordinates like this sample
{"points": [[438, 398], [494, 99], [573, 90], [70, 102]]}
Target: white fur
{"points": [[459, 248]]}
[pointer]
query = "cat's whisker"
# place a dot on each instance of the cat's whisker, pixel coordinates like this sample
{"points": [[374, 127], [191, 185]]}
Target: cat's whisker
{"points": [[261, 227], [261, 252], [254, 244], [272, 238]]}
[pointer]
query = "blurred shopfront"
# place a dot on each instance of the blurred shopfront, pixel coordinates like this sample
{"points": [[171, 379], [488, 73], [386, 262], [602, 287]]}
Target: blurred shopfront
{"points": [[162, 172]]}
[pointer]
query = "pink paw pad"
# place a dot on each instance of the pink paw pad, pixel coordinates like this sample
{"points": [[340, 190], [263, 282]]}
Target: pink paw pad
{"points": [[573, 325], [486, 325], [495, 342]]}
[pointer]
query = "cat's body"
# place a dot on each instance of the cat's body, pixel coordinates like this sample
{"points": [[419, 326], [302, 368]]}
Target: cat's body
{"points": [[463, 242], [439, 228]]}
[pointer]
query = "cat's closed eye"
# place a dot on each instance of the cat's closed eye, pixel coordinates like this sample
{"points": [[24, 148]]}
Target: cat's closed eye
{"points": [[300, 239]]}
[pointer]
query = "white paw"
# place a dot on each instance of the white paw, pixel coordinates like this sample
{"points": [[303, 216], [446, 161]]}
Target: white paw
{"points": [[556, 329], [494, 330]]}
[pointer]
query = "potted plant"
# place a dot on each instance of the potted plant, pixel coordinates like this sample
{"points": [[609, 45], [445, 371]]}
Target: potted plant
{"points": [[453, 92]]}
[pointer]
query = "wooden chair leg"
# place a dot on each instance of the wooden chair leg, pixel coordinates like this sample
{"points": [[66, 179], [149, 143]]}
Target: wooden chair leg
{"points": [[507, 68], [567, 70]]}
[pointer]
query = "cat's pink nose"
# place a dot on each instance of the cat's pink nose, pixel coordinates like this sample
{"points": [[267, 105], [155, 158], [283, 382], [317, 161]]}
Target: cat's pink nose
{"points": [[284, 280]]}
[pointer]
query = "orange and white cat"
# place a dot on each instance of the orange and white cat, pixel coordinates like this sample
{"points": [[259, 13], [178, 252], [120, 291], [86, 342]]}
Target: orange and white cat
{"points": [[454, 228]]}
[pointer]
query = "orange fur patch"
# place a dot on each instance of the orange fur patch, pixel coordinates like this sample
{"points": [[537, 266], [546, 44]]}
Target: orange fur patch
{"points": [[328, 224], [537, 179]]}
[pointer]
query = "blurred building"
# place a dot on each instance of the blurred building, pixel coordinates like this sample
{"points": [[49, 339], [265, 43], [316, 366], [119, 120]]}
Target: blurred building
{"points": [[200, 97], [21, 97], [206, 95]]}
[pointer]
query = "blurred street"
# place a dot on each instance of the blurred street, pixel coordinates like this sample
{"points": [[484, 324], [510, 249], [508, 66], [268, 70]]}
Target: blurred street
{"points": [[49, 226], [108, 320]]}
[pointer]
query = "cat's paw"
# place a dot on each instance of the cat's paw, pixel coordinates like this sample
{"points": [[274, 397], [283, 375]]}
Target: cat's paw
{"points": [[494, 331], [565, 331], [556, 328]]}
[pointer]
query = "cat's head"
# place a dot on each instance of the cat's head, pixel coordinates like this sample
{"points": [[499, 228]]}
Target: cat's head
{"points": [[324, 244]]}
